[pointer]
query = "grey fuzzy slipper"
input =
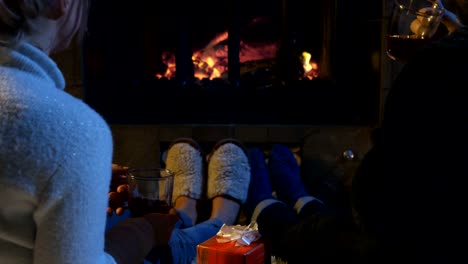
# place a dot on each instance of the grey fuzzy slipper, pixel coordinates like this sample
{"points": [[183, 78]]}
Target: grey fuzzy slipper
{"points": [[185, 159], [228, 171]]}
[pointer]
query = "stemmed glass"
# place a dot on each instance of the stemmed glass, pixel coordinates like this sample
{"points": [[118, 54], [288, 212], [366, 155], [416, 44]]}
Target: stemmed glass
{"points": [[413, 24]]}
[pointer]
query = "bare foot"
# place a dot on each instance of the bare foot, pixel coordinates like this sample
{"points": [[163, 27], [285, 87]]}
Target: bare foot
{"points": [[225, 209], [188, 206]]}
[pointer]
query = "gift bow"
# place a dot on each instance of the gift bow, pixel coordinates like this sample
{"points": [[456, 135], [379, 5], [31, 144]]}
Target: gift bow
{"points": [[243, 235]]}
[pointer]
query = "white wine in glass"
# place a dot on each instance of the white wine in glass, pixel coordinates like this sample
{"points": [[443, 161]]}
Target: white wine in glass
{"points": [[413, 24]]}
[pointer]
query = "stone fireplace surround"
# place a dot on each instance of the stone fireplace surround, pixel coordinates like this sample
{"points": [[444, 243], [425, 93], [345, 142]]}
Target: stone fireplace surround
{"points": [[326, 170]]}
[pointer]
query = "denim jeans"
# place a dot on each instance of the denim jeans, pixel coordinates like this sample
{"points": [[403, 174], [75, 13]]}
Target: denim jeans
{"points": [[182, 248]]}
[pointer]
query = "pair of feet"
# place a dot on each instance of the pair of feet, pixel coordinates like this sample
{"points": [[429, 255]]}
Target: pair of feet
{"points": [[280, 174], [226, 182]]}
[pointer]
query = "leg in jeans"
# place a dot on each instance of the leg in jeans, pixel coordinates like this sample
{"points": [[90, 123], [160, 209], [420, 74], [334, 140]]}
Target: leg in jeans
{"points": [[186, 236], [183, 242], [285, 176], [280, 222], [272, 215]]}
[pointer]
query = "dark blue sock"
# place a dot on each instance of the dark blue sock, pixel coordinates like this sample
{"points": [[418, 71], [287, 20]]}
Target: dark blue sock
{"points": [[285, 174], [260, 186]]}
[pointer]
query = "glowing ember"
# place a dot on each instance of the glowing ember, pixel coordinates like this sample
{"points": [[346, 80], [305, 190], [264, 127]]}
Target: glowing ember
{"points": [[212, 61]]}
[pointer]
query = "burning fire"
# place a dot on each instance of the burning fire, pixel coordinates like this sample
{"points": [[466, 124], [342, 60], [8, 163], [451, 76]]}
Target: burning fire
{"points": [[310, 67], [212, 61]]}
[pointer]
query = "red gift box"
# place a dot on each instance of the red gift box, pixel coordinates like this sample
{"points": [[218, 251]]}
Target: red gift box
{"points": [[213, 252]]}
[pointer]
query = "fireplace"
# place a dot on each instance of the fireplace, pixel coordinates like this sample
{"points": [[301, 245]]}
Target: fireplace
{"points": [[272, 62]]}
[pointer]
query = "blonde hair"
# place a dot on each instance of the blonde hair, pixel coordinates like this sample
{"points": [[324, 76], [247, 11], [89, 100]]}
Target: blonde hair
{"points": [[15, 15]]}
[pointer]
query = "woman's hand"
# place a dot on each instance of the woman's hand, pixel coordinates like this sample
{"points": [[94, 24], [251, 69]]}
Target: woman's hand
{"points": [[118, 194], [450, 20], [423, 24]]}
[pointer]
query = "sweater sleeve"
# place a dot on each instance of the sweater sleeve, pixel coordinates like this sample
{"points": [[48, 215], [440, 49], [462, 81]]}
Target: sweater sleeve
{"points": [[71, 210], [56, 158]]}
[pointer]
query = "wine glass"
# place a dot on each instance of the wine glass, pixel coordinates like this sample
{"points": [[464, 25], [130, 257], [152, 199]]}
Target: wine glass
{"points": [[413, 24], [150, 191]]}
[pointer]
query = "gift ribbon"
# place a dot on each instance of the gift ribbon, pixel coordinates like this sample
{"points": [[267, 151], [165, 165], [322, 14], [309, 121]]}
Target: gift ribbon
{"points": [[243, 235]]}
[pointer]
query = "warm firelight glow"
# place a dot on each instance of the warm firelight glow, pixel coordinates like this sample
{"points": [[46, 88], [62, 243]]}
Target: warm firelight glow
{"points": [[212, 61], [310, 67]]}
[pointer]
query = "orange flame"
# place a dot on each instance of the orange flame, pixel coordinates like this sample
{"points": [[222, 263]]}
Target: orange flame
{"points": [[212, 61], [310, 67]]}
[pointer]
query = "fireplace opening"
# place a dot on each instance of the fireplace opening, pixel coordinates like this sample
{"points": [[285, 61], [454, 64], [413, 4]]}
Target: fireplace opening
{"points": [[234, 62]]}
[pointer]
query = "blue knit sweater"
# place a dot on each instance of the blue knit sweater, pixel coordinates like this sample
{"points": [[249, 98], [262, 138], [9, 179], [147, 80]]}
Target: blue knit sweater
{"points": [[55, 166]]}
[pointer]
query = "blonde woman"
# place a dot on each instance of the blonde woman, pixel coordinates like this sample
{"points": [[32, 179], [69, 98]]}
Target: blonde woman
{"points": [[56, 152]]}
